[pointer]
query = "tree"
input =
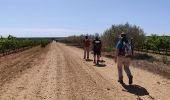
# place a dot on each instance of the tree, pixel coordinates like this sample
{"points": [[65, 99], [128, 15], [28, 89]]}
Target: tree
{"points": [[111, 35]]}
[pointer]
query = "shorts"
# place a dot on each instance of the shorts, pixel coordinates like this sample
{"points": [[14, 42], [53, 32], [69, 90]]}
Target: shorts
{"points": [[97, 52]]}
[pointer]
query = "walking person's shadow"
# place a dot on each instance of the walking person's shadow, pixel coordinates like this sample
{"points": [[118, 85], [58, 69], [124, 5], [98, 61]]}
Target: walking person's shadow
{"points": [[100, 65], [136, 90]]}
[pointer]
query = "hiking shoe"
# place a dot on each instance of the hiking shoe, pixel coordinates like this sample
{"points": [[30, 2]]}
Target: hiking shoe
{"points": [[130, 80], [120, 81]]}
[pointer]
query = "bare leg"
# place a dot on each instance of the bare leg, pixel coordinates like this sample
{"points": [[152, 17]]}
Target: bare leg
{"points": [[94, 58], [88, 53], [120, 72], [128, 72], [98, 58], [84, 53]]}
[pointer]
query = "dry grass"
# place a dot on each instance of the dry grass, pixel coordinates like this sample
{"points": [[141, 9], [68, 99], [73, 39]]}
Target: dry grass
{"points": [[149, 63], [155, 63]]}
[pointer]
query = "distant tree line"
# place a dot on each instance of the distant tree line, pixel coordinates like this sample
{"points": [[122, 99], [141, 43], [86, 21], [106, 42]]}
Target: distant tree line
{"points": [[153, 43]]}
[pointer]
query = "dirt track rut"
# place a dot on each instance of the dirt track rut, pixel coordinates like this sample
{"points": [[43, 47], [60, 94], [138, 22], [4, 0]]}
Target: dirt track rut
{"points": [[58, 72]]}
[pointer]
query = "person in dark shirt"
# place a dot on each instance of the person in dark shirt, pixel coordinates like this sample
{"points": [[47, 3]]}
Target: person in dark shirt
{"points": [[86, 45], [97, 49]]}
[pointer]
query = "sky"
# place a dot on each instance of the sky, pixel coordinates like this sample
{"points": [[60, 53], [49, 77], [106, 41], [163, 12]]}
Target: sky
{"points": [[60, 18]]}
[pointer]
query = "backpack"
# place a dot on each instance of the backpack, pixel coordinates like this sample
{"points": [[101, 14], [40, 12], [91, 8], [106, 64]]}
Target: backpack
{"points": [[126, 49]]}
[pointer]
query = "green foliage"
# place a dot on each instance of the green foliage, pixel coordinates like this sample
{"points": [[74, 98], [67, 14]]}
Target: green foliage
{"points": [[159, 44], [44, 43], [12, 43], [111, 35]]}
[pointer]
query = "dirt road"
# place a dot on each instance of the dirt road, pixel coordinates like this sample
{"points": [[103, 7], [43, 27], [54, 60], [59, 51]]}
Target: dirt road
{"points": [[58, 72]]}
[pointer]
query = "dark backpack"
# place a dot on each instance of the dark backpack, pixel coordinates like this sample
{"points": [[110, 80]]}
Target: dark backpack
{"points": [[126, 48]]}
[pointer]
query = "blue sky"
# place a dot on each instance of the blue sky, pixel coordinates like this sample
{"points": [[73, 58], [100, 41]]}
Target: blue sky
{"points": [[41, 18]]}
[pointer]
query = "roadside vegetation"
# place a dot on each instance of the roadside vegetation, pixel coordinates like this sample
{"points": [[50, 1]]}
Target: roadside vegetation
{"points": [[151, 52], [12, 44]]}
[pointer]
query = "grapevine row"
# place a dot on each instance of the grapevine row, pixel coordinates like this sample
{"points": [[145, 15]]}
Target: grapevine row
{"points": [[12, 44]]}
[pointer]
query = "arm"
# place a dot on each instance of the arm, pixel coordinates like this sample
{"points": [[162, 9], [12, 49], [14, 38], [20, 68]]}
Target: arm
{"points": [[92, 45], [116, 54], [117, 51]]}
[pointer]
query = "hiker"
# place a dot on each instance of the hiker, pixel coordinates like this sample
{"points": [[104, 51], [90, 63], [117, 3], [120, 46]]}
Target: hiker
{"points": [[86, 45], [97, 49], [122, 54]]}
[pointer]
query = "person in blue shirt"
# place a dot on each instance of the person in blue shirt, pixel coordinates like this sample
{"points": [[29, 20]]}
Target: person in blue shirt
{"points": [[122, 60]]}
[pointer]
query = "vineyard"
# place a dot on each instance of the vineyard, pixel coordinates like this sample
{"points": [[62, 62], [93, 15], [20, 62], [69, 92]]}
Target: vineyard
{"points": [[59, 72], [149, 44], [155, 44], [13, 45]]}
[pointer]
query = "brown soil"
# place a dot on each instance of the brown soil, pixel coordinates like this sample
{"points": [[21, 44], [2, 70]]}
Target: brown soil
{"points": [[58, 72]]}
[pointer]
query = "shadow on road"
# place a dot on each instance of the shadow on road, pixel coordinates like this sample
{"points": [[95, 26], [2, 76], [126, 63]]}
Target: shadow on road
{"points": [[136, 90], [100, 65], [102, 61]]}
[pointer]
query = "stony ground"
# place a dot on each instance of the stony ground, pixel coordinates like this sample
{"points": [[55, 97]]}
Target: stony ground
{"points": [[58, 72]]}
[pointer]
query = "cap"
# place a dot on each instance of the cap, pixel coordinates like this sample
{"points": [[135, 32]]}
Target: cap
{"points": [[123, 34]]}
